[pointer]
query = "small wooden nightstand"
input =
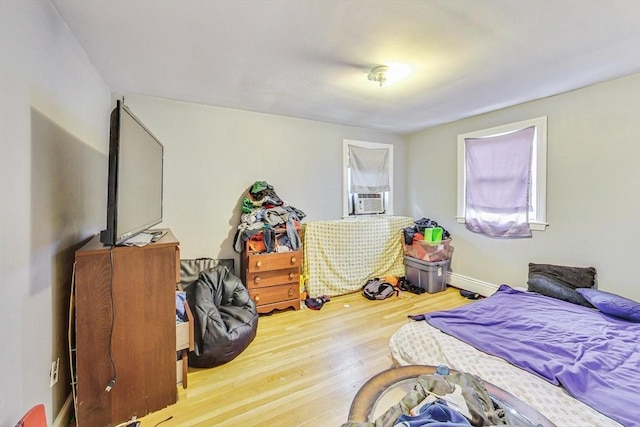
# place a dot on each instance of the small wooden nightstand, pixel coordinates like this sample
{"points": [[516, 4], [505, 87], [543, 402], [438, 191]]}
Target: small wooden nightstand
{"points": [[273, 279]]}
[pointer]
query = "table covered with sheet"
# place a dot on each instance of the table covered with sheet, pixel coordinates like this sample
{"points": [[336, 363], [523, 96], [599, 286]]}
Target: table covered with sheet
{"points": [[340, 255]]}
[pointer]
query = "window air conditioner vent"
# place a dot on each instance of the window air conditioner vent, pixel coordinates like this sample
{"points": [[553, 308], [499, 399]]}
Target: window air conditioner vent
{"points": [[369, 203]]}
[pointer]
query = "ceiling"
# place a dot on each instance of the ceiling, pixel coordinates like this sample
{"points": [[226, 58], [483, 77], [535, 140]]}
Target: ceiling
{"points": [[310, 58]]}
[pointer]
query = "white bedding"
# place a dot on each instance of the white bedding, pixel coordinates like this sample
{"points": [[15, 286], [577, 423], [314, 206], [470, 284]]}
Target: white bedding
{"points": [[418, 343]]}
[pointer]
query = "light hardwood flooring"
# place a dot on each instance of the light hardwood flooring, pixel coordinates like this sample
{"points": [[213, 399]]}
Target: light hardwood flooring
{"points": [[303, 368]]}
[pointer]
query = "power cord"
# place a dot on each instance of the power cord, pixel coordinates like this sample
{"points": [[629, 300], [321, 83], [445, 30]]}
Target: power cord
{"points": [[163, 421], [111, 382]]}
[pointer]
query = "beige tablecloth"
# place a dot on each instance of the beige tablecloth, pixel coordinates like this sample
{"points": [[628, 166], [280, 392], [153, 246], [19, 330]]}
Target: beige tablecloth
{"points": [[340, 255]]}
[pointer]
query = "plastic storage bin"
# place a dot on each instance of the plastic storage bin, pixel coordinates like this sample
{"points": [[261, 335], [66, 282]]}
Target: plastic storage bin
{"points": [[428, 251], [430, 276]]}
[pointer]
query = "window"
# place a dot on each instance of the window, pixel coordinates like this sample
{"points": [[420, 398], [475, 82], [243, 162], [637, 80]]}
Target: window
{"points": [[536, 176], [367, 178]]}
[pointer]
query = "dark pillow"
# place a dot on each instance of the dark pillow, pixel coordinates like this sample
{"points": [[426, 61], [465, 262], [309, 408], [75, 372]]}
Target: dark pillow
{"points": [[612, 304], [554, 288], [574, 277]]}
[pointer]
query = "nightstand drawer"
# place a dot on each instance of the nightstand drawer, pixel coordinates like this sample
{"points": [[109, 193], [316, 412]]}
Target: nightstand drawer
{"points": [[273, 261], [271, 278], [275, 294]]}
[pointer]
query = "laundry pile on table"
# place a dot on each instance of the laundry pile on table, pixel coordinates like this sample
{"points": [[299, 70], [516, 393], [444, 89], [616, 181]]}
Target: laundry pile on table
{"points": [[268, 222]]}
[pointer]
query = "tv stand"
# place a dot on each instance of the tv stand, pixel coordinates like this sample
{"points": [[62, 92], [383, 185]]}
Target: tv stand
{"points": [[125, 314]]}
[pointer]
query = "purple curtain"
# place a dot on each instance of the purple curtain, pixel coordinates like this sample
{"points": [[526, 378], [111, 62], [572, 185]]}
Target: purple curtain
{"points": [[498, 173]]}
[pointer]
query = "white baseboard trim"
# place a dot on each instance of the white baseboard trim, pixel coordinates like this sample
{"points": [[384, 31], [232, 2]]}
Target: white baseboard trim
{"points": [[471, 284], [62, 420]]}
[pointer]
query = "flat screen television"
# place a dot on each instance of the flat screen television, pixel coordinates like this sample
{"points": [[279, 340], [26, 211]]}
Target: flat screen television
{"points": [[134, 193]]}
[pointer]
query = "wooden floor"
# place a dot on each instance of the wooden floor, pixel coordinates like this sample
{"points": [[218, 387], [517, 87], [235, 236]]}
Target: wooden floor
{"points": [[303, 368]]}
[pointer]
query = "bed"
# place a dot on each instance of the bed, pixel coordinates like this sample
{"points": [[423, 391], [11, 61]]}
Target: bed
{"points": [[574, 364]]}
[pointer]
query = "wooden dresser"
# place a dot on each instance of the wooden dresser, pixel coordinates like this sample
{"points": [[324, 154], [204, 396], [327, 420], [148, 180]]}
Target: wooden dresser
{"points": [[125, 330], [273, 279]]}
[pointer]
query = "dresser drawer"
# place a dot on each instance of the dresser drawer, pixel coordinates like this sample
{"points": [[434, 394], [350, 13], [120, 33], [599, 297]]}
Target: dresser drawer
{"points": [[185, 331], [275, 294], [271, 278], [273, 261]]}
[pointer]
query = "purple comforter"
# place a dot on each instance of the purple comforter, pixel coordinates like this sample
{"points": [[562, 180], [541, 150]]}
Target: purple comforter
{"points": [[595, 357]]}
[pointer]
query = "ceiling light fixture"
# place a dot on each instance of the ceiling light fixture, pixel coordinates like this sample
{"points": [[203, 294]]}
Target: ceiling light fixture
{"points": [[378, 74]]}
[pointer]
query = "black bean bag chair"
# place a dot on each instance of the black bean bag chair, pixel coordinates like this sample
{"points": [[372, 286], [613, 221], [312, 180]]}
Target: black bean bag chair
{"points": [[225, 317]]}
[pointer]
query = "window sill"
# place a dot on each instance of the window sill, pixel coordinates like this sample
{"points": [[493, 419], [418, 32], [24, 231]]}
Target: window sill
{"points": [[383, 215]]}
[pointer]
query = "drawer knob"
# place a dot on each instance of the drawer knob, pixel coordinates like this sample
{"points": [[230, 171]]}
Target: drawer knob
{"points": [[257, 279], [291, 276], [290, 292], [257, 298], [293, 260], [258, 264]]}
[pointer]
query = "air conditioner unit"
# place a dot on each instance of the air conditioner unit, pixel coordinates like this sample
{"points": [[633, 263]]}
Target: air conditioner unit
{"points": [[368, 203]]}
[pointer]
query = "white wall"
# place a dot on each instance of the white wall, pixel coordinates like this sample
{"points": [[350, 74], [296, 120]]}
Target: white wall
{"points": [[593, 188], [54, 131], [213, 155]]}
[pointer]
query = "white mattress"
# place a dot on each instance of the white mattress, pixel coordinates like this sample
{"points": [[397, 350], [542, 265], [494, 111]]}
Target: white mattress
{"points": [[418, 343]]}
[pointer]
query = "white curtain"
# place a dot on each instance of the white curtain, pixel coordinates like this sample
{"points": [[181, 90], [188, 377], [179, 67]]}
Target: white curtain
{"points": [[498, 174], [369, 169]]}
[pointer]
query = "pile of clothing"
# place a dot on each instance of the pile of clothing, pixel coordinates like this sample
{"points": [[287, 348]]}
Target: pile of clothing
{"points": [[445, 398], [417, 231], [263, 213], [426, 241]]}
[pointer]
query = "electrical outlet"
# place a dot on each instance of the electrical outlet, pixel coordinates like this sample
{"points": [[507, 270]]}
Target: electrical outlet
{"points": [[54, 372]]}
